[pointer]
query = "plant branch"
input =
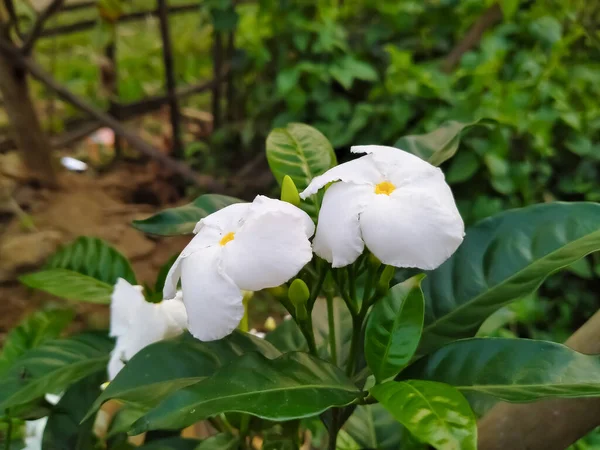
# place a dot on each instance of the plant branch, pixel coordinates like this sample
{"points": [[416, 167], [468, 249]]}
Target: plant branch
{"points": [[488, 19], [331, 320], [552, 424], [38, 26]]}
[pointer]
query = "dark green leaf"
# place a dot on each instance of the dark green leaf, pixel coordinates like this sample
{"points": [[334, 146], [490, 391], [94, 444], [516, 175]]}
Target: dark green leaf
{"points": [[287, 337], [343, 329], [36, 329], [69, 285], [64, 429], [164, 367], [162, 274], [293, 386], [394, 329], [516, 370], [173, 443], [434, 413], [439, 145], [462, 167], [372, 426], [95, 258], [504, 258], [183, 219], [301, 152], [221, 441], [53, 366]]}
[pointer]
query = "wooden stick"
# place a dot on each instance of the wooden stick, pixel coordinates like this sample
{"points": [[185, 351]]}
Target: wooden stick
{"points": [[549, 424]]}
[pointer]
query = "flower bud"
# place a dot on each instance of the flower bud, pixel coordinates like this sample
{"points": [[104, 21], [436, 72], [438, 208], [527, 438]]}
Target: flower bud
{"points": [[270, 324], [289, 191], [384, 281], [299, 295]]}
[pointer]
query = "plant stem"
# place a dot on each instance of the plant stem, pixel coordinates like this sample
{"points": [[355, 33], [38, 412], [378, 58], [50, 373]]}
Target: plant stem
{"points": [[331, 319], [8, 440], [333, 430], [244, 425], [356, 329]]}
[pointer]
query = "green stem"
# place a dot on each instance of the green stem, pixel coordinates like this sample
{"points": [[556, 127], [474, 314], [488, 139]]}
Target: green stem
{"points": [[331, 319], [356, 329], [316, 289], [352, 284], [333, 430], [8, 441], [244, 425]]}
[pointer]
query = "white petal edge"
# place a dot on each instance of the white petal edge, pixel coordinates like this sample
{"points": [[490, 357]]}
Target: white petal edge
{"points": [[268, 250], [413, 227], [262, 204], [212, 300], [226, 219], [124, 301], [338, 239], [359, 171]]}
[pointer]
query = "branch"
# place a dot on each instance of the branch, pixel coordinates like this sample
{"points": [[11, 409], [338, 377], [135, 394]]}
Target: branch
{"points": [[36, 30], [488, 19], [12, 16], [548, 424], [135, 141]]}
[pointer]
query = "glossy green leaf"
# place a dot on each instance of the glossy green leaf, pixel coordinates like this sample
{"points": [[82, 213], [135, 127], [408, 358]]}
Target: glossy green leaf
{"points": [[95, 258], [372, 426], [221, 441], [515, 370], [69, 285], [440, 144], [36, 329], [123, 419], [394, 329], [164, 367], [64, 429], [183, 219], [302, 152], [287, 337], [293, 386], [53, 366], [173, 443], [434, 413], [504, 258]]}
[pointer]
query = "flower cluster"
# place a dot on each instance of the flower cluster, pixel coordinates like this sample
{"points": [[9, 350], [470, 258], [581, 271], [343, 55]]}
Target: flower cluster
{"points": [[393, 203]]}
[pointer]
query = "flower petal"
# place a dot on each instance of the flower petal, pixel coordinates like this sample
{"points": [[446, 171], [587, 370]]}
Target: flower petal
{"points": [[418, 227], [226, 219], [359, 171], [212, 300], [117, 360], [338, 239], [262, 204], [268, 250], [399, 167], [125, 300]]}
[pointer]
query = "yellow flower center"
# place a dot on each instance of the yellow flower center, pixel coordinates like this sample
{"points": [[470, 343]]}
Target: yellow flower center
{"points": [[227, 238], [385, 187]]}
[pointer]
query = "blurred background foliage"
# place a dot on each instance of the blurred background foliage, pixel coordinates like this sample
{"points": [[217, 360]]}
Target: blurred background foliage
{"points": [[371, 71]]}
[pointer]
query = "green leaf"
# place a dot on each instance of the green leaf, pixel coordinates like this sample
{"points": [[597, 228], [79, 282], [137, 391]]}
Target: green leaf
{"points": [[174, 443], [64, 429], [287, 337], [394, 329], [343, 329], [515, 370], [504, 258], [182, 220], [95, 258], [372, 426], [69, 285], [509, 8], [162, 275], [434, 413], [53, 366], [221, 441], [164, 367], [293, 386], [439, 145], [462, 167], [36, 329], [302, 152]]}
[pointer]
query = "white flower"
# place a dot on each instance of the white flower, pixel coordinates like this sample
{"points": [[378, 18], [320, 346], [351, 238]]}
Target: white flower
{"points": [[393, 202], [244, 246], [137, 323]]}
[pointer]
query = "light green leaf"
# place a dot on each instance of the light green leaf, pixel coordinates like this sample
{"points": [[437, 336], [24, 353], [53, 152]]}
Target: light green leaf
{"points": [[509, 8], [53, 366], [515, 370], [64, 429], [301, 152], [372, 426], [394, 329], [221, 441], [504, 258], [293, 386], [434, 413], [36, 329], [162, 368], [183, 219], [69, 285], [440, 144], [95, 258], [287, 337]]}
